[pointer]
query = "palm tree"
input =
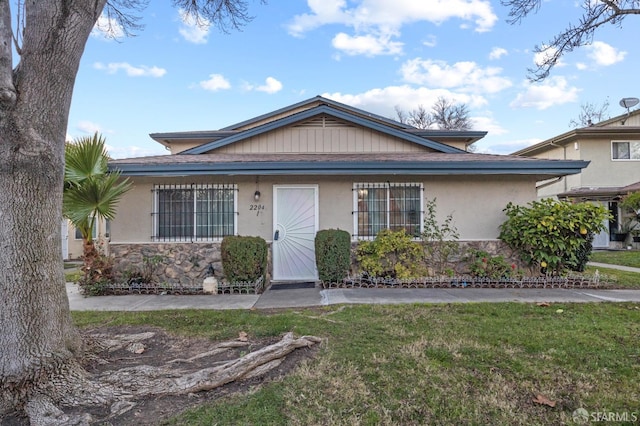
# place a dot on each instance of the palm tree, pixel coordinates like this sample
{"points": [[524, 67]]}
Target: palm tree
{"points": [[91, 191]]}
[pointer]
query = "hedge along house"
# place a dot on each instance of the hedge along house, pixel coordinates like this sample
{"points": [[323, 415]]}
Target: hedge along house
{"points": [[317, 164]]}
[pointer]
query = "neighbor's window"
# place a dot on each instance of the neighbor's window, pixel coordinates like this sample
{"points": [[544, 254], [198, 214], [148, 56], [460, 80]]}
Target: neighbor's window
{"points": [[627, 150], [393, 206], [194, 212], [94, 233]]}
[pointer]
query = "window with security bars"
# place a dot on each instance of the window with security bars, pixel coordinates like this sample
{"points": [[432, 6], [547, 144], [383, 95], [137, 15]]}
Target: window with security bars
{"points": [[196, 212], [393, 206]]}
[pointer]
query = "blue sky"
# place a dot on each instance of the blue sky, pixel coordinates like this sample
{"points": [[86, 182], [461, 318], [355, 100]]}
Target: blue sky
{"points": [[371, 54]]}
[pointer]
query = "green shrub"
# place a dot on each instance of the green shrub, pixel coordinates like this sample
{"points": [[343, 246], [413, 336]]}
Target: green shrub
{"points": [[391, 255], [553, 235], [440, 240], [486, 266], [244, 258], [333, 254]]}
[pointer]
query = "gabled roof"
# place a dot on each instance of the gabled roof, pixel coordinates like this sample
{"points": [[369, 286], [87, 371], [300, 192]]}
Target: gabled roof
{"points": [[414, 163], [317, 111], [316, 101], [214, 138], [440, 159], [609, 128]]}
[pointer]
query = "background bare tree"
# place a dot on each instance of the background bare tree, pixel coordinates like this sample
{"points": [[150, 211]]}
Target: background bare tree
{"points": [[595, 15], [41, 351], [448, 115], [444, 115], [590, 114]]}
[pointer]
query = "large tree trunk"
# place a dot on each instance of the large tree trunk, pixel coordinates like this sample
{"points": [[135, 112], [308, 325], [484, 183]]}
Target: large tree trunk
{"points": [[40, 350], [38, 339]]}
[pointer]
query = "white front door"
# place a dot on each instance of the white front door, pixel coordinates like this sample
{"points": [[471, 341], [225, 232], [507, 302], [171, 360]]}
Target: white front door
{"points": [[601, 240], [295, 218]]}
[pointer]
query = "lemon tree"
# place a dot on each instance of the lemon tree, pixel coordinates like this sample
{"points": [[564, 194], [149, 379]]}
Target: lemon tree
{"points": [[554, 235]]}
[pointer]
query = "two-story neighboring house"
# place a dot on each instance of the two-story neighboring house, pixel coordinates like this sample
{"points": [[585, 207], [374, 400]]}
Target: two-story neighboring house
{"points": [[613, 149]]}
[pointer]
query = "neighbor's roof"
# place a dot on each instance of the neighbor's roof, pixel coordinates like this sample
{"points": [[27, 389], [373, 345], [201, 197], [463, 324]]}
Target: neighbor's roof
{"points": [[414, 163], [600, 193], [598, 130]]}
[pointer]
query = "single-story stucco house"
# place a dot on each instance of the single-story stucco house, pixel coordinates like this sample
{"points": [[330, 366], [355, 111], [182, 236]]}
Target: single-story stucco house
{"points": [[317, 164]]}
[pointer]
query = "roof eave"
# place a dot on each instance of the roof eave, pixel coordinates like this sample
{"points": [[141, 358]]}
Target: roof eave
{"points": [[541, 168]]}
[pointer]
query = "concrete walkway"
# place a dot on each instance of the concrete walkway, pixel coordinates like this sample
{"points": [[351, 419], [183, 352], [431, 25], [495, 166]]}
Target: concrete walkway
{"points": [[307, 297], [299, 298]]}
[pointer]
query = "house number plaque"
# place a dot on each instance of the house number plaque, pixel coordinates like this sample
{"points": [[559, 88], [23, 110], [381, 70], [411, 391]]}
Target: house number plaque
{"points": [[258, 208]]}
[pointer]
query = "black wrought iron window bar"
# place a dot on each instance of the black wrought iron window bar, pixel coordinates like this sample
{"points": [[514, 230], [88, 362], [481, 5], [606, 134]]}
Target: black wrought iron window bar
{"points": [[194, 212], [393, 206]]}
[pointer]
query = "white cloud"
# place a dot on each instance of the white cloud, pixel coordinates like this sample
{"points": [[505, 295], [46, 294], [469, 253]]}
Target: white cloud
{"points": [[215, 82], [604, 54], [393, 14], [193, 30], [271, 86], [464, 76], [106, 28], [546, 53], [497, 53], [383, 101], [553, 91], [130, 70], [88, 127], [508, 147], [368, 45], [376, 23], [134, 151], [430, 41], [488, 124]]}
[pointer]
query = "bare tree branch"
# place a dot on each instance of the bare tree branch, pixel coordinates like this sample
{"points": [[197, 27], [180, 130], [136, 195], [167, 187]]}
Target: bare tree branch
{"points": [[7, 88], [448, 115], [595, 15], [590, 114], [226, 15]]}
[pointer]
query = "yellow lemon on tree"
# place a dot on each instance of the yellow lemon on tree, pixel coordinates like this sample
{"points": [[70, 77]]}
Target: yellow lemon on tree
{"points": [[543, 264], [583, 230]]}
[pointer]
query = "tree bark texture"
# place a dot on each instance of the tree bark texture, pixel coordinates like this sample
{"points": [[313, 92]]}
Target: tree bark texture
{"points": [[37, 337]]}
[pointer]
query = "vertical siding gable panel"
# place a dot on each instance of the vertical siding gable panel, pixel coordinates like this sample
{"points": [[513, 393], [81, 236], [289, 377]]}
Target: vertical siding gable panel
{"points": [[315, 139]]}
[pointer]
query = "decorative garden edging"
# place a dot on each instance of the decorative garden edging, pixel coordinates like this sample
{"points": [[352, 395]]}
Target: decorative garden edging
{"points": [[120, 289], [571, 281]]}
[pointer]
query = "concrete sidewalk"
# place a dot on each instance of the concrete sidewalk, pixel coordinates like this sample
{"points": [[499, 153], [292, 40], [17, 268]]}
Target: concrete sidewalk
{"points": [[298, 298]]}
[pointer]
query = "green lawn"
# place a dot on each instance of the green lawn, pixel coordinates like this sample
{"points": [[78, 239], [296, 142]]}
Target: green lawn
{"points": [[470, 364], [622, 257]]}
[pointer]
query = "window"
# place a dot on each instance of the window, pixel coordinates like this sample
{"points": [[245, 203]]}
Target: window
{"points": [[94, 232], [194, 212], [393, 206], [627, 150]]}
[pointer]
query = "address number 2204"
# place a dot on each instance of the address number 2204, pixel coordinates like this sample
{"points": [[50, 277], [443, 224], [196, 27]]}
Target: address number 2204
{"points": [[256, 208]]}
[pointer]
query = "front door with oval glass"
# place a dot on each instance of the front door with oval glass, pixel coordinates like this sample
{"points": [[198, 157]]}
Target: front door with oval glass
{"points": [[294, 230]]}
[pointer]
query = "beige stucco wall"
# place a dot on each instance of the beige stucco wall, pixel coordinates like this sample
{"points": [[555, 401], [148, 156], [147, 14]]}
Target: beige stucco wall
{"points": [[179, 146], [603, 171], [476, 203]]}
